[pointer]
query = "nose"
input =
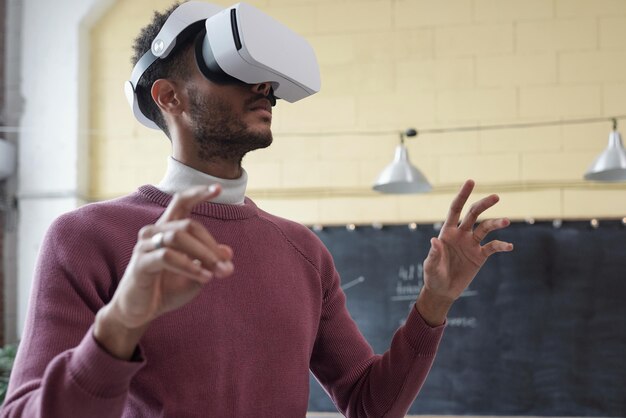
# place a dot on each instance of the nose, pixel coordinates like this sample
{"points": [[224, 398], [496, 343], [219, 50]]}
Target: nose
{"points": [[262, 88]]}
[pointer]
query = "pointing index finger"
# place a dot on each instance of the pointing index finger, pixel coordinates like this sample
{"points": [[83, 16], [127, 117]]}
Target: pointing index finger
{"points": [[454, 214], [183, 203]]}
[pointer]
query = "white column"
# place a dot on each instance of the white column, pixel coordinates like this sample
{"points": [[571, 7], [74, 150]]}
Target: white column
{"points": [[53, 146]]}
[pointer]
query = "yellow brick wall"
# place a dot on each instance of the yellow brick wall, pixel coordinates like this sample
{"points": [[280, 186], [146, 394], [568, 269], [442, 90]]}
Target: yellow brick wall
{"points": [[392, 64]]}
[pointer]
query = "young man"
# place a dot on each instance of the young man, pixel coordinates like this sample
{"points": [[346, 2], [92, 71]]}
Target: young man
{"points": [[186, 299]]}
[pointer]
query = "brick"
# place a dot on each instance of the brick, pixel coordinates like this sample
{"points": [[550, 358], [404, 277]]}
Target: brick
{"points": [[592, 137], [614, 99], [109, 110], [596, 66], [355, 147], [301, 18], [302, 174], [473, 39], [556, 35], [421, 208], [554, 166], [613, 33], [377, 208], [586, 8], [431, 74], [516, 70], [512, 10], [113, 182], [358, 78], [594, 203], [520, 140], [334, 49], [305, 211], [414, 43], [353, 17], [560, 101], [533, 204], [331, 112], [266, 175], [448, 143], [286, 147], [487, 169], [395, 110], [479, 104], [112, 66], [417, 13]]}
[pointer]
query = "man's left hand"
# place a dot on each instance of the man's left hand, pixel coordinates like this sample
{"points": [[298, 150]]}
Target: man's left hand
{"points": [[456, 255]]}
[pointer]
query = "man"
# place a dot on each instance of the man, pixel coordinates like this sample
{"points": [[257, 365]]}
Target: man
{"points": [[188, 300]]}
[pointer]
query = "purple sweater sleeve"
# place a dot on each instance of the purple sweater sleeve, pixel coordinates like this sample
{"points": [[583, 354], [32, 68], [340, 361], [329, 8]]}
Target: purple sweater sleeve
{"points": [[60, 371], [360, 383]]}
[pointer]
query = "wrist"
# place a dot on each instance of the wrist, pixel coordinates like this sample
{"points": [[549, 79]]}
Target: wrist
{"points": [[433, 307], [113, 336]]}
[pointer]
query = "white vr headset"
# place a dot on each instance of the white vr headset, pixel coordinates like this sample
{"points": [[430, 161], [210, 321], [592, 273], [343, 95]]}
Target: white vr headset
{"points": [[240, 43]]}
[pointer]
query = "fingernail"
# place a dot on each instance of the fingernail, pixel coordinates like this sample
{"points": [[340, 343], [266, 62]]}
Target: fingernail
{"points": [[213, 188], [225, 267], [206, 274]]}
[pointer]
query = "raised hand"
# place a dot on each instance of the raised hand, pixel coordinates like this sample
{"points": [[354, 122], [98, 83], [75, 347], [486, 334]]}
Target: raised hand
{"points": [[456, 256], [171, 262]]}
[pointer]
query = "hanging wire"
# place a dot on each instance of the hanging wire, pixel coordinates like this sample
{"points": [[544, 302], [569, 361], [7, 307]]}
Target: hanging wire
{"points": [[468, 128]]}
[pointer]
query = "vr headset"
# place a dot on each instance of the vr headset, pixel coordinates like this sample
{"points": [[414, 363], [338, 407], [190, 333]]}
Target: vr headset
{"points": [[236, 44]]}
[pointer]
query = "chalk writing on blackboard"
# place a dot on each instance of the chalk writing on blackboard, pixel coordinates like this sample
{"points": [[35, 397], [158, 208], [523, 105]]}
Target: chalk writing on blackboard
{"points": [[354, 282], [411, 281]]}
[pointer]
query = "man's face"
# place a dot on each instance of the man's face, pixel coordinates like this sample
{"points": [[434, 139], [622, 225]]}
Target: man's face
{"points": [[228, 120]]}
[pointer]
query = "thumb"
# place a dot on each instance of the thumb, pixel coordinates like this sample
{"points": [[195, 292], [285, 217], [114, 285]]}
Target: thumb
{"points": [[436, 248]]}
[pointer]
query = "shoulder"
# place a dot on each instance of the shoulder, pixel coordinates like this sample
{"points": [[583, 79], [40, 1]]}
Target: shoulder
{"points": [[116, 213], [302, 238], [291, 229], [102, 224]]}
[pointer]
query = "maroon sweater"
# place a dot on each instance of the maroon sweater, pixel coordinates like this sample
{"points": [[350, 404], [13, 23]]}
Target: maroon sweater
{"points": [[242, 348]]}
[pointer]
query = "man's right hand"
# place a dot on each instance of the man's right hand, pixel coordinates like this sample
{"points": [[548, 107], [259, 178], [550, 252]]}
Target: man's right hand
{"points": [[171, 262]]}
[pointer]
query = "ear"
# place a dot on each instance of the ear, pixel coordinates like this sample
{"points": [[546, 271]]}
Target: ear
{"points": [[167, 95]]}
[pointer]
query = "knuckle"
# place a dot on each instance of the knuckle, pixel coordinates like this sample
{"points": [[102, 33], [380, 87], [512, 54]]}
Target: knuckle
{"points": [[174, 237], [145, 231], [167, 255], [186, 225]]}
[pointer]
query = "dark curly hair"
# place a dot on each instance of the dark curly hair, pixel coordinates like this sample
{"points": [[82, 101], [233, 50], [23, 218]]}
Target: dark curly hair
{"points": [[171, 67]]}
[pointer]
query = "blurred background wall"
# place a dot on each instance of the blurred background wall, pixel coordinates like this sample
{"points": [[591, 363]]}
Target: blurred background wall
{"points": [[386, 65]]}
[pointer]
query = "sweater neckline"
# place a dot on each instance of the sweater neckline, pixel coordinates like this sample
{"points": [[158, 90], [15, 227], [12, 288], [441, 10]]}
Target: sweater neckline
{"points": [[209, 209]]}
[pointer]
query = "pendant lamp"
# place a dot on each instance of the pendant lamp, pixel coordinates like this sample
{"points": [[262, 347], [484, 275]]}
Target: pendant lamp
{"points": [[402, 177], [610, 165]]}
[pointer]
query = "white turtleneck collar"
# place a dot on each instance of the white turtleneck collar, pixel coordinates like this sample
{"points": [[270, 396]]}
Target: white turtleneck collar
{"points": [[179, 177]]}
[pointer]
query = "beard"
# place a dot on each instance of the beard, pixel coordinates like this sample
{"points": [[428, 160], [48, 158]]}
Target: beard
{"points": [[219, 134]]}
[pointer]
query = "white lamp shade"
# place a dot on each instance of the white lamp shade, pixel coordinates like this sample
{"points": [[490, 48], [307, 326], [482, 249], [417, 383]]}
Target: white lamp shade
{"points": [[610, 166], [401, 176], [7, 159]]}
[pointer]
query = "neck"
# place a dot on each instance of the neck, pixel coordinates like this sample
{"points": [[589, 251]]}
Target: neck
{"points": [[217, 167], [179, 177]]}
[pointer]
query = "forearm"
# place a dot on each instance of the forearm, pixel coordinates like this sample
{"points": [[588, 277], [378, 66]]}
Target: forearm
{"points": [[395, 378], [83, 381]]}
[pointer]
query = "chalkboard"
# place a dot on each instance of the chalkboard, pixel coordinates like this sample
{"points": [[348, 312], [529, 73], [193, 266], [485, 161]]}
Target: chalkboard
{"points": [[541, 331]]}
